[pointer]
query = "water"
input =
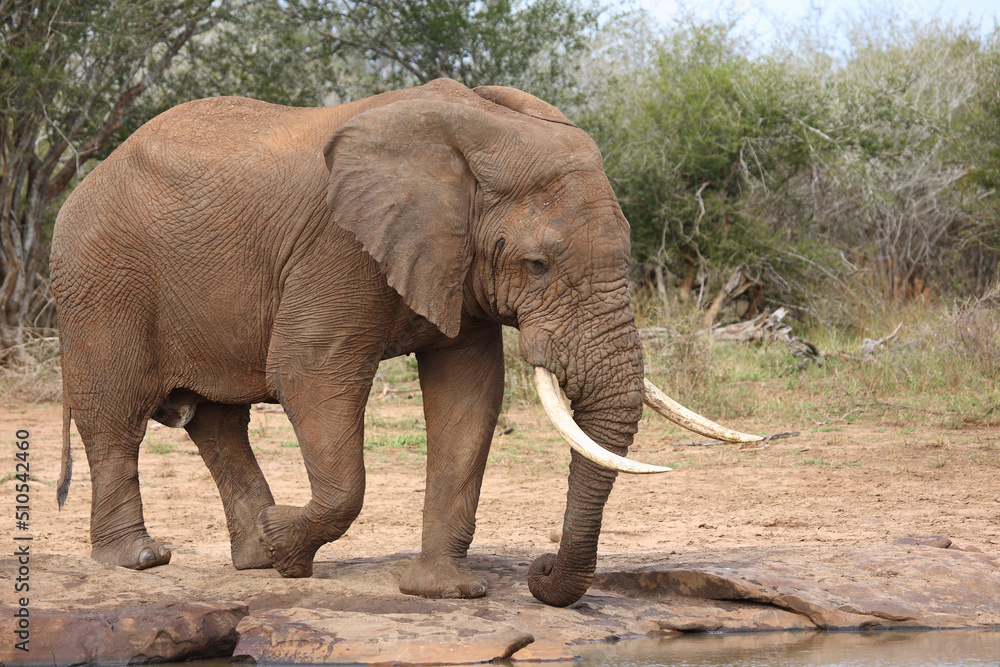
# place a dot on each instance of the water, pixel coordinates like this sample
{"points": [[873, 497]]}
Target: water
{"points": [[938, 648], [956, 648]]}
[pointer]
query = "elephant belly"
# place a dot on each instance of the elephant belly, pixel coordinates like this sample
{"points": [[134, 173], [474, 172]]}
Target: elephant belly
{"points": [[220, 361]]}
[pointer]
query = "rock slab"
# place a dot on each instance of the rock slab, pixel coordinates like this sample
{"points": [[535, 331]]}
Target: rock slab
{"points": [[161, 632], [907, 585], [318, 636]]}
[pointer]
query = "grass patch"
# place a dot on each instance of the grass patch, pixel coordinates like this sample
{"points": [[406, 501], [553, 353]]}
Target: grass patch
{"points": [[416, 442], [157, 446], [689, 462], [831, 464], [398, 370], [398, 447], [929, 374], [817, 462], [938, 462]]}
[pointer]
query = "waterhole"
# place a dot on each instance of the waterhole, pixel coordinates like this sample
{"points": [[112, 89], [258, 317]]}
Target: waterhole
{"points": [[939, 648]]}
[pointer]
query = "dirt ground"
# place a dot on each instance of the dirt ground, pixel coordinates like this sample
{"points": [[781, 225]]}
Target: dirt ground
{"points": [[842, 484]]}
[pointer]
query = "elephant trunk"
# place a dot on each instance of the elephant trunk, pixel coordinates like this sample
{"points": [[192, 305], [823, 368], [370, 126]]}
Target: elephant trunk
{"points": [[561, 580], [609, 414]]}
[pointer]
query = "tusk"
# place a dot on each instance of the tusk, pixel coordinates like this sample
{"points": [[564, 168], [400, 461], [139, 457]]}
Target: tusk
{"points": [[691, 420], [555, 409]]}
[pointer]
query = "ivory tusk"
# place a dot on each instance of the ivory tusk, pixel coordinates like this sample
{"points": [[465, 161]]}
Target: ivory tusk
{"points": [[562, 420], [691, 420]]}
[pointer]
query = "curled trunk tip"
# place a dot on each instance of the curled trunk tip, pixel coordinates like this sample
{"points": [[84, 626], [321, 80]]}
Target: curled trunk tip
{"points": [[551, 589]]}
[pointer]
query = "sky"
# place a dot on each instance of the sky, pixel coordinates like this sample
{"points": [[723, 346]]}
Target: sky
{"points": [[766, 17]]}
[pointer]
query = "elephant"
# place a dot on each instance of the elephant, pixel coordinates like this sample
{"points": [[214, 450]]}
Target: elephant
{"points": [[232, 252]]}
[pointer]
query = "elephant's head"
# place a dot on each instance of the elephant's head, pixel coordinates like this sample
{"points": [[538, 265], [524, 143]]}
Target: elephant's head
{"points": [[491, 204]]}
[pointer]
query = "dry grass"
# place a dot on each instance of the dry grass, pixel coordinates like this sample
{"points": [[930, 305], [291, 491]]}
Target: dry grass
{"points": [[942, 368], [519, 378], [977, 332], [30, 372]]}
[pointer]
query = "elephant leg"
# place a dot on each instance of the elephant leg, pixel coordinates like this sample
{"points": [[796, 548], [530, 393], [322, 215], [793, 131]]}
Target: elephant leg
{"points": [[462, 391], [329, 425], [220, 432], [117, 530]]}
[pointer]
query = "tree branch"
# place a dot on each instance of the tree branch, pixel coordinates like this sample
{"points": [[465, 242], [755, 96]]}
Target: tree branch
{"points": [[113, 120]]}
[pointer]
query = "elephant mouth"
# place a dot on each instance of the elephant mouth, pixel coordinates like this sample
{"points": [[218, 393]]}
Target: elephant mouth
{"points": [[551, 399]]}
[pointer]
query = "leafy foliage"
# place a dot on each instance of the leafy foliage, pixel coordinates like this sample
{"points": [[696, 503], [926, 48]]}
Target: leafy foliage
{"points": [[835, 180], [894, 180], [986, 116], [264, 50], [690, 144], [533, 46]]}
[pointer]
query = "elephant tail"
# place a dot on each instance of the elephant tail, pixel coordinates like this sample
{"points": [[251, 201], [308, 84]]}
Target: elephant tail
{"points": [[66, 463]]}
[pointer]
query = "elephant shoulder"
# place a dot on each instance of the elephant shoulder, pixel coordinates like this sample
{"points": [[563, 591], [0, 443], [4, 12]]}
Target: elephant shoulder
{"points": [[214, 125], [216, 140]]}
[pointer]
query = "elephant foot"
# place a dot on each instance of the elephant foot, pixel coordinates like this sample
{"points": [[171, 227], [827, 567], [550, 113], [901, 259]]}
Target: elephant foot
{"points": [[135, 553], [286, 541], [441, 577], [249, 553]]}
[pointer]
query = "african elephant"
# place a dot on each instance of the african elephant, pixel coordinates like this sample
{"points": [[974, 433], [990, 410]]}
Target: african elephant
{"points": [[233, 252]]}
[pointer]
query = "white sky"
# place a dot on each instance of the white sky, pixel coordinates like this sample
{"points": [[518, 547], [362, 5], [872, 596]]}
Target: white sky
{"points": [[765, 17]]}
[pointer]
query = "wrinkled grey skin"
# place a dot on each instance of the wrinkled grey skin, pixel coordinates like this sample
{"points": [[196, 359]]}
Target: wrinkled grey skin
{"points": [[233, 252]]}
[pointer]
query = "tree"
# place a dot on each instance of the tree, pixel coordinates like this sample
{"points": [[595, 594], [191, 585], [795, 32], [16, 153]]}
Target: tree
{"points": [[534, 45], [687, 141], [267, 50], [837, 178], [981, 245], [896, 187], [70, 75], [985, 117]]}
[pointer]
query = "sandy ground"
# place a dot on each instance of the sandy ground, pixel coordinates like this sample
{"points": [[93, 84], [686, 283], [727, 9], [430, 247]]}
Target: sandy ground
{"points": [[835, 484]]}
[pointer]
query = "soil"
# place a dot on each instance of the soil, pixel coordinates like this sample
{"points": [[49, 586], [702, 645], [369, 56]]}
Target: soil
{"points": [[835, 484]]}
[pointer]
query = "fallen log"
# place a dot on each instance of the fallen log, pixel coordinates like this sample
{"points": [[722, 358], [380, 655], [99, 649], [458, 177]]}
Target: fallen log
{"points": [[870, 346], [765, 327], [739, 283]]}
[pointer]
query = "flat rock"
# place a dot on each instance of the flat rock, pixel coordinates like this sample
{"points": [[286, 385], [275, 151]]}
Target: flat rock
{"points": [[318, 636], [939, 541], [156, 632], [730, 617], [898, 586], [546, 650]]}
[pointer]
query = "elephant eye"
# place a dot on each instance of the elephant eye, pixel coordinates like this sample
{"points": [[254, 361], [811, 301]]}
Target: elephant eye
{"points": [[537, 266]]}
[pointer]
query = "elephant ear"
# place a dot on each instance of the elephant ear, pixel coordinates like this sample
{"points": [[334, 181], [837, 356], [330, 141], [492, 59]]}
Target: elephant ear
{"points": [[522, 102], [401, 182]]}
